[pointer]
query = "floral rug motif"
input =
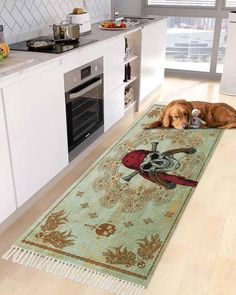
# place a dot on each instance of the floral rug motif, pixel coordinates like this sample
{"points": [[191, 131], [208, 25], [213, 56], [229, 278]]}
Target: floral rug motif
{"points": [[111, 226]]}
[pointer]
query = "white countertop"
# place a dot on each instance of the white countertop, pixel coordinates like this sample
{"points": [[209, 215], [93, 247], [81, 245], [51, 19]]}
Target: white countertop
{"points": [[20, 62]]}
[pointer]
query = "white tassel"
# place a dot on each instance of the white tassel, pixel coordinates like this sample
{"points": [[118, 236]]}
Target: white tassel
{"points": [[74, 274], [96, 279], [30, 259], [60, 271], [52, 265], [67, 267], [9, 253], [24, 257], [16, 255], [42, 262], [57, 269], [128, 288], [21, 254], [139, 291], [117, 287], [82, 277], [36, 261], [47, 264], [68, 270]]}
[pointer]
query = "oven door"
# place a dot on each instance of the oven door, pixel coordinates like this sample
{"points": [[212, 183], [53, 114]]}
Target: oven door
{"points": [[84, 108]]}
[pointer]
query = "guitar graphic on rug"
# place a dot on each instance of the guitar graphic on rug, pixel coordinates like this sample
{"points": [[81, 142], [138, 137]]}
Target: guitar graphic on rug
{"points": [[154, 165]]}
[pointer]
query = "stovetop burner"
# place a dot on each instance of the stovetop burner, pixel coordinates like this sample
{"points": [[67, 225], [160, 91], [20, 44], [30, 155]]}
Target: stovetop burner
{"points": [[59, 47]]}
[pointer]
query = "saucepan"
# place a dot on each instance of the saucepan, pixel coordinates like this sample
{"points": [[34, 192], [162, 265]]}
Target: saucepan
{"points": [[66, 30]]}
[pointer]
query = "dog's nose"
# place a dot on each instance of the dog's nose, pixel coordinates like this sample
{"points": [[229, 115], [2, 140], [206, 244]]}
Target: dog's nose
{"points": [[185, 126]]}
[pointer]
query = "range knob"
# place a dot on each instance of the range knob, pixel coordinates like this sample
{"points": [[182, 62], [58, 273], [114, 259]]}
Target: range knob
{"points": [[74, 79]]}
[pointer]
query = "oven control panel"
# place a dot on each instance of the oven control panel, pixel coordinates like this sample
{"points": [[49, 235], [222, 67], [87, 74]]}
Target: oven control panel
{"points": [[82, 74], [85, 72]]}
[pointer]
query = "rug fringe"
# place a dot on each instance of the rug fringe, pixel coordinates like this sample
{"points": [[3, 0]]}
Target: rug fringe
{"points": [[71, 271]]}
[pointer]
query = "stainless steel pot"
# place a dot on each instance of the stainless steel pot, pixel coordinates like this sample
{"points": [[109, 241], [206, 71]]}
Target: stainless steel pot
{"points": [[66, 30]]}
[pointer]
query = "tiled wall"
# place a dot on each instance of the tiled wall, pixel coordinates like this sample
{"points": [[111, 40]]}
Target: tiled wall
{"points": [[24, 19]]}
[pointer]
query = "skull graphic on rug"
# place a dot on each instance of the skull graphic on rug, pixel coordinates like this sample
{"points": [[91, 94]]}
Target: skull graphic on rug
{"points": [[154, 165]]}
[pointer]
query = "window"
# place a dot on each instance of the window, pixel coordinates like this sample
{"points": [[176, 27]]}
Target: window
{"points": [[230, 3], [189, 43], [222, 46], [197, 33], [209, 3]]}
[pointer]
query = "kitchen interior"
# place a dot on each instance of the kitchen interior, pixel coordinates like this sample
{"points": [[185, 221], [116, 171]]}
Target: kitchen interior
{"points": [[70, 73]]}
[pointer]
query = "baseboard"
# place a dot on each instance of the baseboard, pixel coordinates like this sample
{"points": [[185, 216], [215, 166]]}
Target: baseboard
{"points": [[192, 74]]}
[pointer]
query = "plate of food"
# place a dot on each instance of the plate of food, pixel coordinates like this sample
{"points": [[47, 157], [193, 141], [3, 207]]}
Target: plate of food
{"points": [[110, 25]]}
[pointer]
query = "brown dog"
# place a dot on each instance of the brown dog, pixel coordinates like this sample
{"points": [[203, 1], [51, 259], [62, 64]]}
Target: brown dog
{"points": [[178, 114]]}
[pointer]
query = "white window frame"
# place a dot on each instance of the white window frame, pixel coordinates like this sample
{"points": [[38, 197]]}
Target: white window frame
{"points": [[229, 7], [219, 12], [180, 6]]}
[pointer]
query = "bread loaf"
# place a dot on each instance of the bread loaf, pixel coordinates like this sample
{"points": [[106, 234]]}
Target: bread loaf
{"points": [[78, 10]]}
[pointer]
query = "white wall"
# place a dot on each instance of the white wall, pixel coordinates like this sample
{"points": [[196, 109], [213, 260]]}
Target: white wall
{"points": [[128, 7], [24, 19]]}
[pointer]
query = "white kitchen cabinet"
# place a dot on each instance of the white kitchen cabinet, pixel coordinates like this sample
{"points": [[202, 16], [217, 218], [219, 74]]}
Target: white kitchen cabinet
{"points": [[36, 120], [113, 107], [113, 81], [113, 78], [7, 194], [152, 57], [114, 52]]}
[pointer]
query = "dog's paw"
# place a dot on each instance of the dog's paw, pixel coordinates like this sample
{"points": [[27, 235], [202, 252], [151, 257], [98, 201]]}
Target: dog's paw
{"points": [[191, 151], [147, 126]]}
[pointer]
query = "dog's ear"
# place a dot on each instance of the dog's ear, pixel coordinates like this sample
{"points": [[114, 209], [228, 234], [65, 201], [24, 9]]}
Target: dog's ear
{"points": [[189, 110], [166, 120]]}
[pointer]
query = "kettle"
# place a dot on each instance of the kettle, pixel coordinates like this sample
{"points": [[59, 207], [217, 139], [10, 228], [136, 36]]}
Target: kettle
{"points": [[83, 19]]}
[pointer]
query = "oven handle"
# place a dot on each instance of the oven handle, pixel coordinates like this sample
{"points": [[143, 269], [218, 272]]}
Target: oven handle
{"points": [[73, 96]]}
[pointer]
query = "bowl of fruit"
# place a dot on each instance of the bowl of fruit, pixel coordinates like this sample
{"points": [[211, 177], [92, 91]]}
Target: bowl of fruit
{"points": [[111, 25]]}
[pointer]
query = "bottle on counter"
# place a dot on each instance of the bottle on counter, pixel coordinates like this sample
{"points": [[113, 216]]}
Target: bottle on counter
{"points": [[2, 39], [126, 74], [126, 45], [128, 71]]}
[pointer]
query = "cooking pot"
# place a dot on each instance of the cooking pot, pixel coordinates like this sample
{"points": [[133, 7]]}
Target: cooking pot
{"points": [[66, 30]]}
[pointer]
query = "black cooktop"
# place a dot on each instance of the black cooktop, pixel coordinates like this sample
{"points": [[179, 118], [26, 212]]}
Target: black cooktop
{"points": [[59, 47]]}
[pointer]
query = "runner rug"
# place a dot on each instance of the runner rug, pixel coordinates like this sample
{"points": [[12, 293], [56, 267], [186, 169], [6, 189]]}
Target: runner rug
{"points": [[111, 226]]}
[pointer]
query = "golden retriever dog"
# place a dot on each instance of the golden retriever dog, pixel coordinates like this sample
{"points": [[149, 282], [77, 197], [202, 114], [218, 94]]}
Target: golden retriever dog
{"points": [[178, 114]]}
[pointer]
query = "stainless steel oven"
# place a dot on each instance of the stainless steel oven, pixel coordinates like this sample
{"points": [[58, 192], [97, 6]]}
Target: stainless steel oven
{"points": [[84, 105]]}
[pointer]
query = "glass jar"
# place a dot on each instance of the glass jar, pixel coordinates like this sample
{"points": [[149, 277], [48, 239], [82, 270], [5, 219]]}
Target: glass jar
{"points": [[2, 39]]}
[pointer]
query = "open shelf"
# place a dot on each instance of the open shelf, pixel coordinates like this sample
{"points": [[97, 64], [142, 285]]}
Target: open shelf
{"points": [[130, 106], [133, 78], [129, 59], [133, 58]]}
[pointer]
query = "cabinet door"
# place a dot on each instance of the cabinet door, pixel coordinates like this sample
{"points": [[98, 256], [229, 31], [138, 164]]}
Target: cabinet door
{"points": [[152, 57], [114, 52], [36, 120], [113, 107], [113, 82], [7, 195]]}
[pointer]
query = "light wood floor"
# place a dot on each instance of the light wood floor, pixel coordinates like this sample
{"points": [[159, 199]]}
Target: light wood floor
{"points": [[201, 256]]}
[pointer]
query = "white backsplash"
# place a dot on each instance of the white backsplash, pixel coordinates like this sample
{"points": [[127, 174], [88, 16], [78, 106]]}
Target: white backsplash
{"points": [[24, 19]]}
